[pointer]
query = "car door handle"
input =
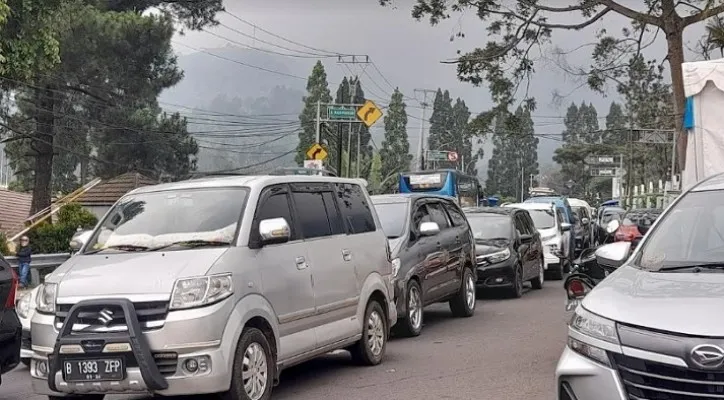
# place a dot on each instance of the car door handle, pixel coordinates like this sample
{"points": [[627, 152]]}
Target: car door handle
{"points": [[346, 255], [301, 263]]}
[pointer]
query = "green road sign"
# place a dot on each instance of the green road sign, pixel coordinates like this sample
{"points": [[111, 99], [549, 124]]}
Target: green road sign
{"points": [[341, 113], [433, 155]]}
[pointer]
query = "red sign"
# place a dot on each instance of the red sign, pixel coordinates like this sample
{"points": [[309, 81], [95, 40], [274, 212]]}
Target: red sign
{"points": [[452, 156]]}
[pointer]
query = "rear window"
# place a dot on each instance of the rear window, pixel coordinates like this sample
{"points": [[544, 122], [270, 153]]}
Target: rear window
{"points": [[425, 182], [392, 217], [356, 211]]}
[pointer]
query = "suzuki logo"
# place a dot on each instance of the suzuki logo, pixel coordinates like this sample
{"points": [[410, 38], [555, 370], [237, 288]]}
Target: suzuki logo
{"points": [[105, 316], [707, 356]]}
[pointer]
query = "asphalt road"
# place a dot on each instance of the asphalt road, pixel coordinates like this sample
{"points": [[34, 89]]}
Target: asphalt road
{"points": [[507, 350]]}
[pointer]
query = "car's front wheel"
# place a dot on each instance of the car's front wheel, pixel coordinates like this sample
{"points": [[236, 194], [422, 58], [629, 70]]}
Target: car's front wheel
{"points": [[516, 291], [463, 304], [253, 372], [537, 282], [411, 323]]}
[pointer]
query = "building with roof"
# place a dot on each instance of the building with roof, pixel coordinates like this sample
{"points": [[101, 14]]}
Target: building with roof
{"points": [[14, 210], [99, 199]]}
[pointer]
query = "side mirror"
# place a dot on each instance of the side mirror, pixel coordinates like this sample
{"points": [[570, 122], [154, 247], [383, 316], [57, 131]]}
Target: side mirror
{"points": [[585, 221], [526, 238], [274, 231], [614, 254], [79, 239], [565, 227], [612, 226], [429, 229]]}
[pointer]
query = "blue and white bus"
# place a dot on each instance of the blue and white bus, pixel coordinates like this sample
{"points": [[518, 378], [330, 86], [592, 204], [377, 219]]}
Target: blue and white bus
{"points": [[465, 188]]}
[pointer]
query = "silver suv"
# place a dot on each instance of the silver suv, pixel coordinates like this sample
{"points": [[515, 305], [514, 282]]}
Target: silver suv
{"points": [[652, 328], [215, 286]]}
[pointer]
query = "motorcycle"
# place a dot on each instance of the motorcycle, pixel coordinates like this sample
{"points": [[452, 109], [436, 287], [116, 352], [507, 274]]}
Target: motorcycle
{"points": [[592, 266]]}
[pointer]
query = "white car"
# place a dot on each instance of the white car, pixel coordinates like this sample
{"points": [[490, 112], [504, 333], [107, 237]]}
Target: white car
{"points": [[25, 307], [553, 233]]}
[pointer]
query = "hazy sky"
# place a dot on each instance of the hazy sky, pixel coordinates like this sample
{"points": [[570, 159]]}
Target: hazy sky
{"points": [[408, 52]]}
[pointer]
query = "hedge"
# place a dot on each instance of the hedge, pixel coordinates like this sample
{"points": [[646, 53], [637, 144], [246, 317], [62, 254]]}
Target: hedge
{"points": [[49, 238]]}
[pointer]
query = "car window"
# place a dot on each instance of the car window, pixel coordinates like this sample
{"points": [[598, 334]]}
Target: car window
{"points": [[418, 217], [559, 216], [356, 211], [529, 223], [333, 215], [520, 225], [438, 215], [392, 217], [312, 214], [542, 219], [456, 215], [275, 206]]}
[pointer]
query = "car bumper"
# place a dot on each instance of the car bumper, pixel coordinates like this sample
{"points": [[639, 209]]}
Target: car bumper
{"points": [[186, 334], [579, 378], [10, 338], [496, 275]]}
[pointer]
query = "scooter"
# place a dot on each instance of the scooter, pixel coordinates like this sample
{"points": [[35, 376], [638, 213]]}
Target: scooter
{"points": [[586, 273]]}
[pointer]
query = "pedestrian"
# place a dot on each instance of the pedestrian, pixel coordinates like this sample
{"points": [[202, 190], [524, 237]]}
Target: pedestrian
{"points": [[23, 254]]}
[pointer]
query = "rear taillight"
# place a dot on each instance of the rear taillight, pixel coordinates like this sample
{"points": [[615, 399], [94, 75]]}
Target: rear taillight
{"points": [[576, 289], [627, 233], [10, 302]]}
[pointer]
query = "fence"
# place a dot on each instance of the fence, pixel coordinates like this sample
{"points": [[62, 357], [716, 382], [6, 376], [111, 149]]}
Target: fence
{"points": [[658, 195], [40, 263]]}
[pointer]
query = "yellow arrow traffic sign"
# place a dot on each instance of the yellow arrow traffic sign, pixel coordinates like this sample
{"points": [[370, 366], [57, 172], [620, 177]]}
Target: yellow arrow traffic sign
{"points": [[316, 152], [369, 113]]}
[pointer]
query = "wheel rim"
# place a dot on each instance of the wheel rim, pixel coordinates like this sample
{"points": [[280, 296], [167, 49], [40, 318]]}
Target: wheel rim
{"points": [[375, 333], [415, 307], [254, 371], [470, 291], [541, 273]]}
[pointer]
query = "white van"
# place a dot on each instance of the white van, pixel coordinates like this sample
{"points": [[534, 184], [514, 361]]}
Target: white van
{"points": [[549, 222]]}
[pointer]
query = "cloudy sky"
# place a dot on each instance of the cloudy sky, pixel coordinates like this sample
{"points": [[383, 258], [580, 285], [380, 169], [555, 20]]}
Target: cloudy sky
{"points": [[408, 53]]}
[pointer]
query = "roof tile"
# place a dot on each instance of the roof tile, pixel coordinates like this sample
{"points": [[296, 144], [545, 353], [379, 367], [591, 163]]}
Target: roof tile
{"points": [[14, 210], [108, 192]]}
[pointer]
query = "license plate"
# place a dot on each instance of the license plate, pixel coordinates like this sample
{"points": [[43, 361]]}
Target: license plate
{"points": [[110, 369]]}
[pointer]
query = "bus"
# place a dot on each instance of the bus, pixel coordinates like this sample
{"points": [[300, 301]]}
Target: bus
{"points": [[465, 188]]}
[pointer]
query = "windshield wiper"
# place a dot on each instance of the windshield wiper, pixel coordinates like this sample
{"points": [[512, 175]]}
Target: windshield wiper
{"points": [[693, 267], [122, 247], [192, 244]]}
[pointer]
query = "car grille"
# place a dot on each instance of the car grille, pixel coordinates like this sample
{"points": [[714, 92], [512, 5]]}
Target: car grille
{"points": [[166, 363], [151, 315], [647, 380]]}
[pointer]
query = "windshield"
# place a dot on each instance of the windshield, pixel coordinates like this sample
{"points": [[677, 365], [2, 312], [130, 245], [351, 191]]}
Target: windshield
{"points": [[692, 232], [490, 226], [543, 219], [610, 215], [156, 220], [392, 217]]}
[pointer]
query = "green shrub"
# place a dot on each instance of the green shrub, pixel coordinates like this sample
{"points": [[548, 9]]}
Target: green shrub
{"points": [[4, 250], [47, 238]]}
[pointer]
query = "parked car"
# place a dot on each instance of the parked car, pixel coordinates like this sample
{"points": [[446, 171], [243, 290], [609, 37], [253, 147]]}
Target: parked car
{"points": [[605, 216], [433, 256], [635, 223], [568, 217], [650, 330], [234, 280], [25, 307], [10, 328], [508, 247], [548, 221], [582, 228]]}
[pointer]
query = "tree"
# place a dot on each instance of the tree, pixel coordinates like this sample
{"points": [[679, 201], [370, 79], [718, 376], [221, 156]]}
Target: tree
{"points": [[317, 91], [440, 122], [395, 152], [515, 155], [615, 132], [375, 179], [113, 58], [516, 28]]}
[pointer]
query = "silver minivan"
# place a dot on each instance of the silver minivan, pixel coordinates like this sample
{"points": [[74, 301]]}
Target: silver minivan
{"points": [[215, 285], [652, 328]]}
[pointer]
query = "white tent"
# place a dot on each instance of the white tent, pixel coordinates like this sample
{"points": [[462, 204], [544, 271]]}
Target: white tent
{"points": [[703, 120]]}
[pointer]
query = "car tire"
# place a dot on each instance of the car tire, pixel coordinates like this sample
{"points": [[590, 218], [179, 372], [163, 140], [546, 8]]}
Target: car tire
{"points": [[370, 349], [411, 324], [537, 282], [254, 354], [79, 397], [463, 304], [516, 291]]}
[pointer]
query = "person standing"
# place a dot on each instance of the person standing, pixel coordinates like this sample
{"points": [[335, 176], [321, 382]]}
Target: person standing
{"points": [[24, 254]]}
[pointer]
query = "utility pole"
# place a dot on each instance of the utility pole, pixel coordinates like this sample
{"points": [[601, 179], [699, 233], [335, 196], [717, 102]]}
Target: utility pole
{"points": [[421, 145], [353, 59], [318, 138]]}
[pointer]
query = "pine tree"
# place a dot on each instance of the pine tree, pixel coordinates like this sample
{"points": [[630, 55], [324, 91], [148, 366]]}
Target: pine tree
{"points": [[317, 90], [395, 151], [440, 124], [615, 133], [374, 181], [461, 136], [589, 124]]}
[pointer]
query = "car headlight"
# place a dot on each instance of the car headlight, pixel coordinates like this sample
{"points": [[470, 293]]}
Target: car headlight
{"points": [[499, 256], [23, 306], [395, 267], [45, 302], [591, 325], [200, 291]]}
